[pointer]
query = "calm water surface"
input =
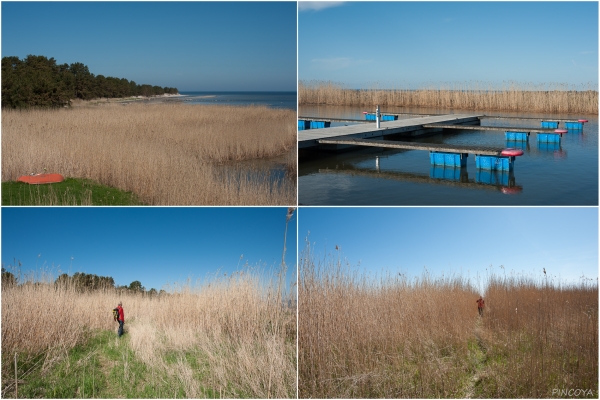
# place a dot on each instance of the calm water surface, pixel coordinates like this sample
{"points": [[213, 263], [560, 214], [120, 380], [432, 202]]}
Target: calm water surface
{"points": [[547, 174], [269, 99], [273, 169]]}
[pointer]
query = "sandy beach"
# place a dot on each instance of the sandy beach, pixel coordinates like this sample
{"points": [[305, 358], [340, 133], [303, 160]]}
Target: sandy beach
{"points": [[164, 98]]}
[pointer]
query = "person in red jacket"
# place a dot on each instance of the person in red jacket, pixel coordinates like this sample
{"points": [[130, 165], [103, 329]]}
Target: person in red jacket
{"points": [[121, 318], [480, 305]]}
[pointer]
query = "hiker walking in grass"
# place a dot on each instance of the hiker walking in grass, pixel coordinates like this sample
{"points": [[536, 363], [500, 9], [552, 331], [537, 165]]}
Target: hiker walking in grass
{"points": [[120, 317], [480, 305]]}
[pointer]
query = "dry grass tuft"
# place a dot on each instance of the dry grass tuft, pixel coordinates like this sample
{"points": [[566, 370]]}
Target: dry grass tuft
{"points": [[167, 154], [553, 98]]}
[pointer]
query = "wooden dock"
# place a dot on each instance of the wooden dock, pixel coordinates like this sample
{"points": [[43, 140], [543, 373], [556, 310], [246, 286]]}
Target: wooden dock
{"points": [[524, 118], [437, 147], [488, 116], [409, 127], [490, 128], [327, 119]]}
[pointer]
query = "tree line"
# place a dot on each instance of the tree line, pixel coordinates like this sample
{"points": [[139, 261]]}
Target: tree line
{"points": [[38, 81], [82, 282]]}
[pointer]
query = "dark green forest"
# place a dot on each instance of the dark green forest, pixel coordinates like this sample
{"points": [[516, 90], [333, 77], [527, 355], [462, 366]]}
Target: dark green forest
{"points": [[81, 282], [38, 81]]}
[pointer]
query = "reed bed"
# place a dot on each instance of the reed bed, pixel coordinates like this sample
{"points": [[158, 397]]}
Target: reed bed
{"points": [[167, 154], [362, 337], [393, 337], [234, 326], [550, 99], [548, 336], [291, 165]]}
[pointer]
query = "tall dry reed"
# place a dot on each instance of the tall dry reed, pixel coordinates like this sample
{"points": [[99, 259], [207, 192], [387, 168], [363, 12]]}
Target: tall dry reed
{"points": [[548, 336], [167, 154], [394, 337], [553, 98], [390, 338], [235, 325]]}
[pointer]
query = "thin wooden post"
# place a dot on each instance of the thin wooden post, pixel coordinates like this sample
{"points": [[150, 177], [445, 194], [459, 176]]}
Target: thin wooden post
{"points": [[16, 380]]}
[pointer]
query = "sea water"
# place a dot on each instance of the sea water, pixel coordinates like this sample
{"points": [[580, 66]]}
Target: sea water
{"points": [[269, 99]]}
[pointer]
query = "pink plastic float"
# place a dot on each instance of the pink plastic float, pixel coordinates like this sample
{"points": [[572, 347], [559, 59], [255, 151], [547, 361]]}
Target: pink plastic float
{"points": [[512, 190], [582, 120], [560, 131], [512, 152]]}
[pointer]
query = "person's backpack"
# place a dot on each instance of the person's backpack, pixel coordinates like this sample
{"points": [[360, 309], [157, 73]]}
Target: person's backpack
{"points": [[116, 314]]}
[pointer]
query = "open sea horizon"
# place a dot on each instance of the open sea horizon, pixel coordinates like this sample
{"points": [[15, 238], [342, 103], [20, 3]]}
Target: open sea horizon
{"points": [[269, 99]]}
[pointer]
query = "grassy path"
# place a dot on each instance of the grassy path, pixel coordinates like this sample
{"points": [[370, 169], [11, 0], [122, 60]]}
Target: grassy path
{"points": [[104, 367], [478, 355]]}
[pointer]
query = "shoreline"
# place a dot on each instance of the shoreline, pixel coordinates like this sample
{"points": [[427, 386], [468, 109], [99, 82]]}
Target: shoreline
{"points": [[164, 99]]}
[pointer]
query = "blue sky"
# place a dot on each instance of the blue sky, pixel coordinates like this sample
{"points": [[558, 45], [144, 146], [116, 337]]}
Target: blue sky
{"points": [[463, 241], [194, 46], [416, 44], [155, 245]]}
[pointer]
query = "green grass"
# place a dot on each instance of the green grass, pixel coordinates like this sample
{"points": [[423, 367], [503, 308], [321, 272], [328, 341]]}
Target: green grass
{"points": [[493, 361], [103, 367], [70, 192]]}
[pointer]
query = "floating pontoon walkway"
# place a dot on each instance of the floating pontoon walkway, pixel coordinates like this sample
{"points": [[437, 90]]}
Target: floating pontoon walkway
{"points": [[490, 128], [533, 118], [356, 121], [480, 117], [410, 127], [435, 147]]}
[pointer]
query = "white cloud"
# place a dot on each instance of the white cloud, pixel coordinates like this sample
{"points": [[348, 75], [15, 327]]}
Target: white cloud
{"points": [[317, 5], [335, 63]]}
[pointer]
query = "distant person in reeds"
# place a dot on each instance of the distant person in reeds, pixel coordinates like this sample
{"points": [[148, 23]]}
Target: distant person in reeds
{"points": [[120, 318], [480, 305]]}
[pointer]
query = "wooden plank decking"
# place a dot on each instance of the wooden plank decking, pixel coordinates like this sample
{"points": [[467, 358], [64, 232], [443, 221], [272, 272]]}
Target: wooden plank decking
{"points": [[487, 116], [311, 137], [533, 118], [438, 147], [490, 128], [326, 119]]}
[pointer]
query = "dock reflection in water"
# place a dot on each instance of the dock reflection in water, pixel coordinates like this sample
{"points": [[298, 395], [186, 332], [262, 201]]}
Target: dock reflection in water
{"points": [[504, 180], [452, 177], [518, 145]]}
